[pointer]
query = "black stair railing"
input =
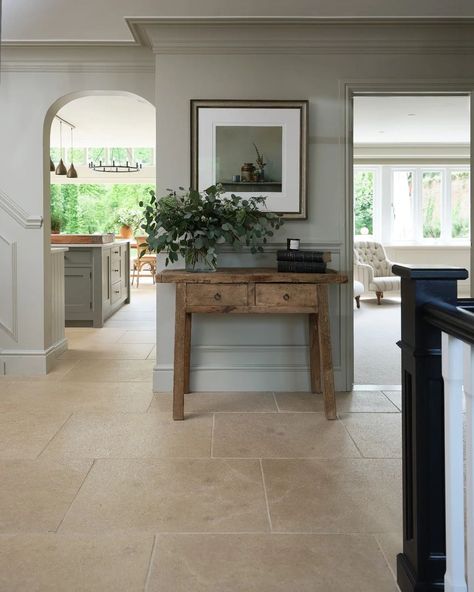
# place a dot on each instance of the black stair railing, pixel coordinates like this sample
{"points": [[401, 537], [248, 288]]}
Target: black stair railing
{"points": [[429, 306]]}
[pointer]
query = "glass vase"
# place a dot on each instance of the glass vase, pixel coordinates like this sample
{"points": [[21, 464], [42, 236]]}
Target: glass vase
{"points": [[199, 262]]}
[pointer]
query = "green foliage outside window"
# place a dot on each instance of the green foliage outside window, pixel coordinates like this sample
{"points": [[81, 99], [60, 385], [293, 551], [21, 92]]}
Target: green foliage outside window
{"points": [[143, 155], [88, 208], [364, 201]]}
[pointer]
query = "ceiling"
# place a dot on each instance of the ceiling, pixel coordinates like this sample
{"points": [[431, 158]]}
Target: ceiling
{"points": [[107, 121], [68, 20], [411, 120]]}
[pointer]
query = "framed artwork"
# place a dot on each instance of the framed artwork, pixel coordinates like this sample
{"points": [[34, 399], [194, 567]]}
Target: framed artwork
{"points": [[257, 148]]}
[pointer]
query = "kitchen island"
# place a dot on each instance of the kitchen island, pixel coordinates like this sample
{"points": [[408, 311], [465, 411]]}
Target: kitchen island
{"points": [[97, 281]]}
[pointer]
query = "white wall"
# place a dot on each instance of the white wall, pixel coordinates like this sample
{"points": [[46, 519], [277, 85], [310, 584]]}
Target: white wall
{"points": [[319, 76], [218, 62], [28, 90]]}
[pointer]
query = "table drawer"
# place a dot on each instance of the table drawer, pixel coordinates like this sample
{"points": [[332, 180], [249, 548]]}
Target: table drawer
{"points": [[216, 294], [285, 295]]}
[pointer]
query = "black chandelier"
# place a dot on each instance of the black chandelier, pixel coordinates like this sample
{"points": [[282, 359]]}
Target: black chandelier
{"points": [[115, 168]]}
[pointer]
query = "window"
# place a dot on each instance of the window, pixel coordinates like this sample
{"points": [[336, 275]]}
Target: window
{"points": [[416, 204]]}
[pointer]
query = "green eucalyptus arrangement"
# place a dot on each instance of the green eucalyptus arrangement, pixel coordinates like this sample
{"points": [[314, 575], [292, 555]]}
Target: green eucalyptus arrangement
{"points": [[191, 224]]}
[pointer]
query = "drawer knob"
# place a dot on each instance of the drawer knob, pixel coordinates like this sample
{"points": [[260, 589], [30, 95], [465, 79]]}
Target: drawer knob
{"points": [[116, 270], [116, 291], [286, 297], [217, 296]]}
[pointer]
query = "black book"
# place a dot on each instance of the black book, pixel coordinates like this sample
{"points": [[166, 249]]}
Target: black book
{"points": [[304, 256], [302, 267]]}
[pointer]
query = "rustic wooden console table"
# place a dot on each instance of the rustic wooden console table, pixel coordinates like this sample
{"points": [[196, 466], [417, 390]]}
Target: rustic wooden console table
{"points": [[254, 291]]}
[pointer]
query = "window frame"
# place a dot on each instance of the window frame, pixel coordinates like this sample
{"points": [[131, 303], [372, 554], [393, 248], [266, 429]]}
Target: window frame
{"points": [[383, 213]]}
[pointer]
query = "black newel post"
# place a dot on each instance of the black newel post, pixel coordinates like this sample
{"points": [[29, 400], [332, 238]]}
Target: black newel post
{"points": [[422, 564]]}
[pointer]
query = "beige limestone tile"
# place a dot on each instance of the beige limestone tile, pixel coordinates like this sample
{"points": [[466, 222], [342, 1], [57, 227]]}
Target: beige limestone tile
{"points": [[124, 351], [36, 494], [217, 402], [127, 325], [75, 396], [93, 335], [164, 495], [58, 563], [280, 435], [134, 315], [351, 402], [24, 434], [132, 435], [395, 397], [377, 435], [268, 563], [57, 372], [334, 496], [138, 337], [391, 544], [111, 371]]}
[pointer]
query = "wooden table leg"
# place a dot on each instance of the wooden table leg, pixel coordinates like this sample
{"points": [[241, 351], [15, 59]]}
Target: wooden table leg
{"points": [[314, 354], [326, 353], [179, 352], [187, 350]]}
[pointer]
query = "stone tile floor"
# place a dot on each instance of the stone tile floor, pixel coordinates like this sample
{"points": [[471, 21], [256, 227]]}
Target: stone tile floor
{"points": [[101, 491]]}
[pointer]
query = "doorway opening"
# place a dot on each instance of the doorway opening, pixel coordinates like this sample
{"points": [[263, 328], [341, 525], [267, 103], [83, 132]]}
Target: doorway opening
{"points": [[411, 204], [102, 164]]}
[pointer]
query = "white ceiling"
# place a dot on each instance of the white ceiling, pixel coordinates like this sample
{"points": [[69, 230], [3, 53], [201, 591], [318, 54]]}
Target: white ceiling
{"points": [[104, 19], [407, 120], [107, 121]]}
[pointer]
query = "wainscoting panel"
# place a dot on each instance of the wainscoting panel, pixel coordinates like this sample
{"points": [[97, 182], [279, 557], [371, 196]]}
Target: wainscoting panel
{"points": [[8, 301]]}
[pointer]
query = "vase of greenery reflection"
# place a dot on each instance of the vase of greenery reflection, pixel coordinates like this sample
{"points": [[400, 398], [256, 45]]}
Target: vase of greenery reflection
{"points": [[190, 224]]}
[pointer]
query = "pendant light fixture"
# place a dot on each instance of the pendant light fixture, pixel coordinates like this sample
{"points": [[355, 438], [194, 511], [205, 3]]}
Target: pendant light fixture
{"points": [[114, 168], [61, 169], [72, 173], [51, 165]]}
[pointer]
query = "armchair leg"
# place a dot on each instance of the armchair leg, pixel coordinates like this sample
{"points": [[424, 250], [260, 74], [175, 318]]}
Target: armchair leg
{"points": [[357, 299], [379, 297]]}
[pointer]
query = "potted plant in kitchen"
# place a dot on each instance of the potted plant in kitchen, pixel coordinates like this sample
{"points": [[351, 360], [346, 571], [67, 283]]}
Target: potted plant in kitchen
{"points": [[191, 224], [56, 222], [129, 220]]}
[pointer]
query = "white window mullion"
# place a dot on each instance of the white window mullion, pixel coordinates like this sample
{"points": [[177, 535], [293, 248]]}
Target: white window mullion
{"points": [[418, 203], [446, 207]]}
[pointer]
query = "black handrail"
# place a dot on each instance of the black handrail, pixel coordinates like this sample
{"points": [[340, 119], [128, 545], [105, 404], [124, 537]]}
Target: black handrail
{"points": [[457, 321]]}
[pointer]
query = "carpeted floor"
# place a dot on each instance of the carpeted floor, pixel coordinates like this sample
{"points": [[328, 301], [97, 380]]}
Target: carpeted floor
{"points": [[376, 332]]}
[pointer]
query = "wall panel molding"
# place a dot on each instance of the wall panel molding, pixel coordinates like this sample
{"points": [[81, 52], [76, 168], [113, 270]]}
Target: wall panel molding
{"points": [[18, 213], [32, 66], [9, 303]]}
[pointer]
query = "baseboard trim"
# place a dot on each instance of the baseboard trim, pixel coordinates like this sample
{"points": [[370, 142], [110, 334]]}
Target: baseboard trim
{"points": [[248, 378], [31, 362]]}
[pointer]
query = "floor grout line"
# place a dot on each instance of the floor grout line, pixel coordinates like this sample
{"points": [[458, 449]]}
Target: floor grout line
{"points": [[353, 440], [212, 434], [379, 545], [54, 435], [266, 496], [276, 402], [150, 564], [75, 497]]}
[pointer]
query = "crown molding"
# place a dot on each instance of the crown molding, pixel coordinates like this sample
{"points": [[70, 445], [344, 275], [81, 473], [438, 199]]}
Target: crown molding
{"points": [[18, 213], [76, 67], [298, 35]]}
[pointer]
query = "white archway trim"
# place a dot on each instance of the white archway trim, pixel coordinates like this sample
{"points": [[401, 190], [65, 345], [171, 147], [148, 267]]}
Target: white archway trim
{"points": [[18, 213]]}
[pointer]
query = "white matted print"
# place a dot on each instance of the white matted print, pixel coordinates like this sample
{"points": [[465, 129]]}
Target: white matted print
{"points": [[252, 147]]}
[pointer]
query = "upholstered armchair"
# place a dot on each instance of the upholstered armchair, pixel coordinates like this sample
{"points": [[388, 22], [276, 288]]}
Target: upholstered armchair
{"points": [[373, 269]]}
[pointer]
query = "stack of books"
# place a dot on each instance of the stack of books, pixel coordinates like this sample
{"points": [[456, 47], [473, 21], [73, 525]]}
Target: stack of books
{"points": [[303, 261]]}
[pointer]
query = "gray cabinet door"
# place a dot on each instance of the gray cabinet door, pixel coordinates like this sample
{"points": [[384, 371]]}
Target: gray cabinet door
{"points": [[78, 290]]}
